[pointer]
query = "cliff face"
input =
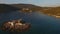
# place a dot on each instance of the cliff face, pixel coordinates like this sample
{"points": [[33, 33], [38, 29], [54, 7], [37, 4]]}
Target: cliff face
{"points": [[7, 8]]}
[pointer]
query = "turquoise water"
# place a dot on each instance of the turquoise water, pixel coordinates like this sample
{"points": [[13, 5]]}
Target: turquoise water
{"points": [[41, 24]]}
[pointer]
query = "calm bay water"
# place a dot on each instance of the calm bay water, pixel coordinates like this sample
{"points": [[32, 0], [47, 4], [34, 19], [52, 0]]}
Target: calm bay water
{"points": [[41, 24]]}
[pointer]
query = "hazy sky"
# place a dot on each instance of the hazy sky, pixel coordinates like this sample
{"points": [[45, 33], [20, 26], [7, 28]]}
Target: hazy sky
{"points": [[35, 2]]}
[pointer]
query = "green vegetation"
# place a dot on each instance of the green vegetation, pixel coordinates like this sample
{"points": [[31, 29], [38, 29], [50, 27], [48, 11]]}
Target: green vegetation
{"points": [[30, 6], [7, 8]]}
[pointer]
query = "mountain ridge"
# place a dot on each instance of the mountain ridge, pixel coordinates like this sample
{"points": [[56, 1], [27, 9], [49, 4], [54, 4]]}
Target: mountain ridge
{"points": [[44, 10], [30, 6], [7, 8]]}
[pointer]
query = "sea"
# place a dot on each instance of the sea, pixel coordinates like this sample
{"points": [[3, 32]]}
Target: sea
{"points": [[40, 23]]}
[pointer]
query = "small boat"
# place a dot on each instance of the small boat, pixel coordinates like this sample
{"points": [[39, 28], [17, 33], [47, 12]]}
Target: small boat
{"points": [[16, 25]]}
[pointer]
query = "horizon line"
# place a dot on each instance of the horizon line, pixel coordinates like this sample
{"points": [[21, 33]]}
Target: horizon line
{"points": [[35, 4]]}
